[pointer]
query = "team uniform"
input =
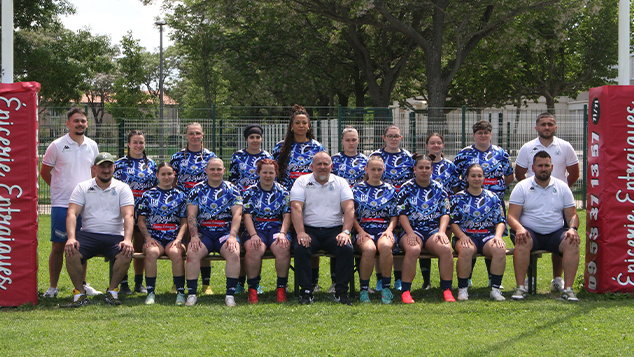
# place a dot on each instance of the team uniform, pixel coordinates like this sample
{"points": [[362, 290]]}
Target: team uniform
{"points": [[139, 174], [495, 163], [214, 212], [299, 160], [444, 172], [189, 167], [351, 168], [399, 167], [477, 216], [163, 210], [267, 209], [423, 206], [562, 155], [243, 168], [374, 206]]}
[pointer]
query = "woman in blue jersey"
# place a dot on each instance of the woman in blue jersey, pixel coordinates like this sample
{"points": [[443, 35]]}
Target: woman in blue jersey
{"points": [[162, 219], [374, 202], [294, 155], [477, 222], [267, 219], [189, 165], [349, 163], [139, 172], [423, 208], [243, 167]]}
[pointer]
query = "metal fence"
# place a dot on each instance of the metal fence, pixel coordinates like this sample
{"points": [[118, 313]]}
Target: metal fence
{"points": [[223, 127]]}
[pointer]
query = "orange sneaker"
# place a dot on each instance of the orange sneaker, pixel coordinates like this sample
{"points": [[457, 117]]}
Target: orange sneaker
{"points": [[253, 296], [448, 295], [281, 294], [407, 297]]}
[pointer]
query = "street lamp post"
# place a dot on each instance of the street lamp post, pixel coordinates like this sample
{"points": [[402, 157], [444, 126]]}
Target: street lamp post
{"points": [[160, 24]]}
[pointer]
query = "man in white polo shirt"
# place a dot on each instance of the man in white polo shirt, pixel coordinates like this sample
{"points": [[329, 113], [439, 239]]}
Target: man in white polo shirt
{"points": [[66, 163], [537, 209], [107, 208], [322, 211], [564, 160]]}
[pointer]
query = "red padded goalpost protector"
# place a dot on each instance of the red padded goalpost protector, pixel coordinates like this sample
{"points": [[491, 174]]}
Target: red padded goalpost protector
{"points": [[18, 193]]}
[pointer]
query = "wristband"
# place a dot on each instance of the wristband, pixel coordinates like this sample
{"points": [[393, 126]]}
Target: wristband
{"points": [[575, 228]]}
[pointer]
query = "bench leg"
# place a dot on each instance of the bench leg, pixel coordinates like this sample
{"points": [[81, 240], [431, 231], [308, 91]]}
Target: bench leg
{"points": [[532, 275], [111, 268]]}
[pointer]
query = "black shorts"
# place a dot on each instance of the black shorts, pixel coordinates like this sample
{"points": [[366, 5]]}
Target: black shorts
{"points": [[549, 242], [91, 244]]}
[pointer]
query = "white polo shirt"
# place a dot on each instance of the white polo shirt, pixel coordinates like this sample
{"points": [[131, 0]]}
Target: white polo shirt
{"points": [[542, 208], [101, 212], [562, 155], [322, 203], [71, 165]]}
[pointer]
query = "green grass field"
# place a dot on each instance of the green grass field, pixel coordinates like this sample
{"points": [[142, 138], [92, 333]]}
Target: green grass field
{"points": [[540, 325]]}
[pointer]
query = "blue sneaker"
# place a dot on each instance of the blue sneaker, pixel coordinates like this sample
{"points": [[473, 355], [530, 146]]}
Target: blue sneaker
{"points": [[239, 289], [398, 285], [470, 284], [379, 286], [260, 289], [386, 296], [364, 296]]}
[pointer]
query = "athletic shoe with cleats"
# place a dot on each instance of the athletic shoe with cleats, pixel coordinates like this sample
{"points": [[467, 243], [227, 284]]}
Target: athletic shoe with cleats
{"points": [[180, 299], [379, 286], [306, 299], [364, 296], [426, 286], [370, 291], [496, 295], [110, 299], [231, 301], [386, 296], [569, 295], [253, 296], [463, 294], [469, 283], [557, 284], [281, 294], [149, 300], [519, 293], [406, 296], [50, 293], [331, 290], [239, 289], [125, 290], [491, 285], [260, 289], [90, 291], [343, 299], [316, 288], [207, 290], [78, 301], [448, 296], [191, 300], [398, 285], [140, 289]]}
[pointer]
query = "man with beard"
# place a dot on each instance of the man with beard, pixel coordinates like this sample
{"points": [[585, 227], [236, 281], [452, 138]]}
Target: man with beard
{"points": [[537, 208], [563, 158], [322, 211], [66, 163], [107, 208]]}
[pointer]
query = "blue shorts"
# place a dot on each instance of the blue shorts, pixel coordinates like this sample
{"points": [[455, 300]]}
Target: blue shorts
{"points": [[213, 241], [549, 242], [478, 242], [424, 236], [91, 244], [268, 236], [58, 224], [375, 234]]}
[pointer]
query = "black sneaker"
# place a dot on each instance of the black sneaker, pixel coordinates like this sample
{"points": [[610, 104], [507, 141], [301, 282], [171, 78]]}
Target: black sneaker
{"points": [[82, 301], [140, 289], [125, 290], [111, 299], [306, 299], [343, 299]]}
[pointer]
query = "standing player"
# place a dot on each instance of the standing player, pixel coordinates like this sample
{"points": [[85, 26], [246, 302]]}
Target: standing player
{"points": [[189, 165], [162, 221], [139, 172], [564, 159], [66, 163]]}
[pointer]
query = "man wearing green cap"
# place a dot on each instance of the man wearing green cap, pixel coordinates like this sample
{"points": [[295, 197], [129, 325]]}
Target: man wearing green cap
{"points": [[107, 209]]}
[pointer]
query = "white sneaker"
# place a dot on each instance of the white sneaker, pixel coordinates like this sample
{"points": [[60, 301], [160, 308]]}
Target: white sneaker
{"points": [[50, 293], [463, 294], [191, 300], [557, 284], [496, 295], [526, 282], [90, 291], [331, 290], [569, 295], [519, 293], [230, 300]]}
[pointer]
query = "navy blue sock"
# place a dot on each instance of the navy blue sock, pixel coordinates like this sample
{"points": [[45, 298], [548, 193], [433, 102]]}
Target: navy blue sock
{"points": [[252, 283], [231, 286], [151, 283], [179, 281], [124, 282], [379, 277], [138, 279], [473, 263], [282, 282], [205, 272], [365, 284], [407, 286], [315, 276], [386, 281], [463, 283], [425, 269], [445, 284], [397, 275], [192, 286], [496, 280], [488, 264]]}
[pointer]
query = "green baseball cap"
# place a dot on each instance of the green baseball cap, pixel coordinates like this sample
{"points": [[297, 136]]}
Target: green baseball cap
{"points": [[104, 157]]}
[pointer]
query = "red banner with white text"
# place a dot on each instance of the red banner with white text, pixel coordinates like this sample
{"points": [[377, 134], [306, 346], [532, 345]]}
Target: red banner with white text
{"points": [[18, 193], [610, 200]]}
